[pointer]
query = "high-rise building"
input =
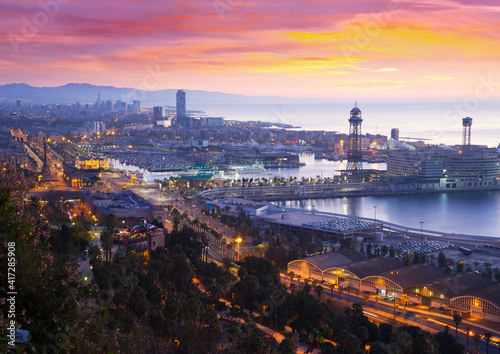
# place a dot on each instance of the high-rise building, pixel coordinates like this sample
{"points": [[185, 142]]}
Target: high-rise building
{"points": [[395, 134], [158, 113], [181, 104], [19, 104], [467, 123], [137, 106]]}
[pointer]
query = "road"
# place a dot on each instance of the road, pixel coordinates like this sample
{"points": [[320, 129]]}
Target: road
{"points": [[383, 312]]}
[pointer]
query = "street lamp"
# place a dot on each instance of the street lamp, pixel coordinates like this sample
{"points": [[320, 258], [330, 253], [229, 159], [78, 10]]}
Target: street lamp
{"points": [[206, 253], [238, 240], [375, 217], [314, 218], [421, 233]]}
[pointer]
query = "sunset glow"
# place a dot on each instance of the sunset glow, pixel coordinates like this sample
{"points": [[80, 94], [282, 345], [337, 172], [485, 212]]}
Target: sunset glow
{"points": [[375, 48]]}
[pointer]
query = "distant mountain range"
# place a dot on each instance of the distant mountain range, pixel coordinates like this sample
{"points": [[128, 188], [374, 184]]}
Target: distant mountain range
{"points": [[87, 93]]}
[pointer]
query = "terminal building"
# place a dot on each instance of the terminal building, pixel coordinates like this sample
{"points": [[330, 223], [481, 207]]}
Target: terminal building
{"points": [[473, 167], [469, 294], [483, 303], [315, 267], [422, 163], [443, 168]]}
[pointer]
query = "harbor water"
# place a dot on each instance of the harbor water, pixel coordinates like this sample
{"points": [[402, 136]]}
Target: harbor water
{"points": [[475, 213]]}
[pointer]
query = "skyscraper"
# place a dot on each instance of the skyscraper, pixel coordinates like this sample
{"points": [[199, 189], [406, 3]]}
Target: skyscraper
{"points": [[181, 104], [395, 134], [158, 113], [467, 123]]}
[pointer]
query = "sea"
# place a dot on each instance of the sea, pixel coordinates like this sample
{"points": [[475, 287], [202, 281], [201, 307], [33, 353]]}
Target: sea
{"points": [[439, 122], [474, 213]]}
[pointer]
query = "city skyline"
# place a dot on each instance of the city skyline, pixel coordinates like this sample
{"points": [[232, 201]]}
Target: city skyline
{"points": [[369, 48]]}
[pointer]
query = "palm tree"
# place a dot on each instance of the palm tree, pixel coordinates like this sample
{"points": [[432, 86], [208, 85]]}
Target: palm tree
{"points": [[357, 294], [476, 264], [332, 286], [477, 339], [433, 257], [291, 275], [404, 301], [227, 261], [348, 288], [457, 318], [468, 331], [216, 290], [340, 291], [366, 298], [319, 290], [377, 297], [487, 339]]}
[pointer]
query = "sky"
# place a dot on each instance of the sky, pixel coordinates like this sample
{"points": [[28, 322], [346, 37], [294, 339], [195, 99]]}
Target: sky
{"points": [[401, 49]]}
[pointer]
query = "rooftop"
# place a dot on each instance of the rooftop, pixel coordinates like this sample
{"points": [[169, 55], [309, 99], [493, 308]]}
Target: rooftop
{"points": [[332, 259], [491, 294], [457, 284], [373, 266], [414, 274]]}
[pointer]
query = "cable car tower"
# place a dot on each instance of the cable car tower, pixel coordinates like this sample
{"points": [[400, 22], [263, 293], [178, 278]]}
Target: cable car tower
{"points": [[354, 153]]}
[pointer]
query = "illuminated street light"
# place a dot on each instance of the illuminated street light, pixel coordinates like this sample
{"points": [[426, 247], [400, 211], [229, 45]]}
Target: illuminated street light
{"points": [[238, 240]]}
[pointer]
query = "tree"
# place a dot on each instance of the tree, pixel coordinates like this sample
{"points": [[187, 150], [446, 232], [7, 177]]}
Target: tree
{"points": [[340, 290], [216, 290], [348, 288], [476, 264], [460, 266], [477, 340], [392, 251], [441, 259], [227, 262], [385, 332], [407, 258], [369, 250], [289, 344], [60, 322], [404, 301], [332, 286], [377, 297], [449, 264], [468, 329], [319, 290], [366, 298], [457, 318], [487, 339], [432, 257], [496, 273], [291, 275], [107, 234]]}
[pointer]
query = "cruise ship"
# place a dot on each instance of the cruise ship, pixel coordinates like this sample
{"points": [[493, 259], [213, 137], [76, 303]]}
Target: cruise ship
{"points": [[247, 172]]}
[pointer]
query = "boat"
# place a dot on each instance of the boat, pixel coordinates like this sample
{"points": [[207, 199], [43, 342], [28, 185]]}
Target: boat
{"points": [[248, 172]]}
